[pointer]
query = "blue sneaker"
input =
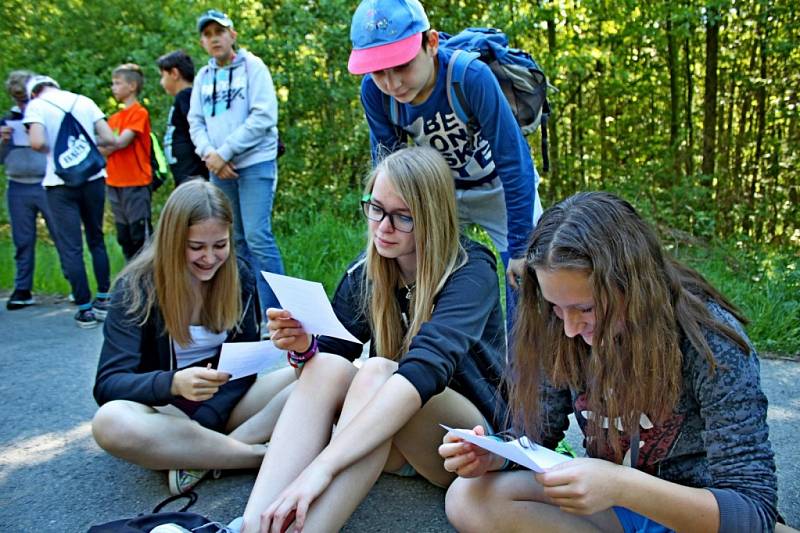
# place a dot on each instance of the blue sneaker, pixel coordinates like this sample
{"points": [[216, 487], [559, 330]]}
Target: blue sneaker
{"points": [[100, 307], [85, 319]]}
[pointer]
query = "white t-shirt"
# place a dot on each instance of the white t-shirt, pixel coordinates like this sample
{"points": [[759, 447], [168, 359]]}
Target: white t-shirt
{"points": [[204, 344], [48, 115]]}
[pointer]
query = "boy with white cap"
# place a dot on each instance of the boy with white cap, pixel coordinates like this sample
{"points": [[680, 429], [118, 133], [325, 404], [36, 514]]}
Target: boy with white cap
{"points": [[496, 181], [73, 206]]}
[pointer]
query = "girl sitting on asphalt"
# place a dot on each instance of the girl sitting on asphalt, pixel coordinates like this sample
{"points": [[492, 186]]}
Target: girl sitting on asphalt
{"points": [[162, 404], [655, 365], [428, 300]]}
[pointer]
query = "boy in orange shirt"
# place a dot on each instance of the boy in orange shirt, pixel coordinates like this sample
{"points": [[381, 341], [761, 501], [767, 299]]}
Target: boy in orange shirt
{"points": [[129, 170]]}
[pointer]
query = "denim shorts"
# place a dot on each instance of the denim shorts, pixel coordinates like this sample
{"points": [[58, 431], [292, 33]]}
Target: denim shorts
{"points": [[636, 523]]}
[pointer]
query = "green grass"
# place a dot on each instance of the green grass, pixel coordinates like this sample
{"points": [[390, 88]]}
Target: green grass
{"points": [[763, 282], [318, 244]]}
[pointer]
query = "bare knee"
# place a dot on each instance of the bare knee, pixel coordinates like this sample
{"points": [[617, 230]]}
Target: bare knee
{"points": [[373, 374], [114, 428], [465, 505], [327, 370]]}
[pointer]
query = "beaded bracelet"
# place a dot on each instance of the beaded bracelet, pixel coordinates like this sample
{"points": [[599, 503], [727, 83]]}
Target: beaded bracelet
{"points": [[298, 359]]}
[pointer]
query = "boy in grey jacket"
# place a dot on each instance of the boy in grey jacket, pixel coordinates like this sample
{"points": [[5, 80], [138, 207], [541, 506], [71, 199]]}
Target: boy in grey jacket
{"points": [[233, 120]]}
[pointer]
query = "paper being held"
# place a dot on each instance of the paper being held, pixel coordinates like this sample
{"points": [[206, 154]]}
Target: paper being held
{"points": [[309, 305], [526, 453], [240, 359]]}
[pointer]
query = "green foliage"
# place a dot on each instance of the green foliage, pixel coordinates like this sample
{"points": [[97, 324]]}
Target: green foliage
{"points": [[628, 115]]}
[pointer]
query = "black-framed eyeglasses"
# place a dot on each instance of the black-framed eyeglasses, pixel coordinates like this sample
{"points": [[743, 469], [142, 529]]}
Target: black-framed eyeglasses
{"points": [[398, 221]]}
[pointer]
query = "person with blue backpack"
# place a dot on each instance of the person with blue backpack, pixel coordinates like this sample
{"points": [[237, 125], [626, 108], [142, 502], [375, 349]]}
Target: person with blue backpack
{"points": [[68, 127], [414, 88]]}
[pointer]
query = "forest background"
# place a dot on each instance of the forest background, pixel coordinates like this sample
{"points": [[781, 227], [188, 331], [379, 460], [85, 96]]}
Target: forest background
{"points": [[688, 108]]}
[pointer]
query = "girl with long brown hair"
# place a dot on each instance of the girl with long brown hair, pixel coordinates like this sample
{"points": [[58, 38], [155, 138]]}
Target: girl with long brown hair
{"points": [[428, 300], [661, 377], [162, 404]]}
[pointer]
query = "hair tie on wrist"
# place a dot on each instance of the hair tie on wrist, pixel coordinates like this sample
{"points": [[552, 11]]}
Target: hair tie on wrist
{"points": [[297, 360]]}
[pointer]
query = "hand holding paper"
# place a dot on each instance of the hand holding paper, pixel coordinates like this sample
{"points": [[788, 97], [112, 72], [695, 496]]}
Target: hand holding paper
{"points": [[309, 305], [530, 455]]}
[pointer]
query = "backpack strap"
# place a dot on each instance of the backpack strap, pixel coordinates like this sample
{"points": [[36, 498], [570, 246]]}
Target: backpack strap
{"points": [[456, 72], [392, 109], [191, 496], [543, 126]]}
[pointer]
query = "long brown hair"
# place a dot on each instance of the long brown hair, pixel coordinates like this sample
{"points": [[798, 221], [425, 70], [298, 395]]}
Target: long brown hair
{"points": [[644, 303], [159, 276], [423, 179]]}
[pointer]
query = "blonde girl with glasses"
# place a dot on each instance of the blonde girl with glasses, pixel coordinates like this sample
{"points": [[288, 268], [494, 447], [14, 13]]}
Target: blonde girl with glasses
{"points": [[428, 300]]}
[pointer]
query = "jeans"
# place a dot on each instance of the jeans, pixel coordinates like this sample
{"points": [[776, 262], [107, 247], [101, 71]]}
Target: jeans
{"points": [[251, 196], [71, 207], [25, 202]]}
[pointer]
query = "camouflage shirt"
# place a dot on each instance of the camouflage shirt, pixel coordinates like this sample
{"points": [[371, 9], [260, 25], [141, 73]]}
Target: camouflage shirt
{"points": [[717, 437]]}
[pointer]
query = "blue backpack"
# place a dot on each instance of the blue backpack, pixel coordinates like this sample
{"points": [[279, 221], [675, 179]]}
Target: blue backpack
{"points": [[521, 79], [75, 155]]}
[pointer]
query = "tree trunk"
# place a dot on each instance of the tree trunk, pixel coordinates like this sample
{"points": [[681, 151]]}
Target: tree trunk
{"points": [[689, 149], [761, 113], [741, 138], [674, 95], [710, 97], [552, 125]]}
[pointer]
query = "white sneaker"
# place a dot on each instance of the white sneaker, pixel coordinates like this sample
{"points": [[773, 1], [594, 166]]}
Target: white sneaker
{"points": [[181, 481]]}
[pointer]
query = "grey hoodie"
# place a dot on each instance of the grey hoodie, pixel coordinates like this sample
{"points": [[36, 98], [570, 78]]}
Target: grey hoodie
{"points": [[234, 111], [22, 163]]}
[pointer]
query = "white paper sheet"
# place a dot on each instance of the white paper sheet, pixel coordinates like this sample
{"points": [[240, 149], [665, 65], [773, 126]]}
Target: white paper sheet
{"points": [[18, 133], [240, 359], [309, 305], [532, 456]]}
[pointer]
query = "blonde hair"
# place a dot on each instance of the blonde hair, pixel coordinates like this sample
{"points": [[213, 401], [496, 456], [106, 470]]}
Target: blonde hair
{"points": [[160, 269], [422, 178], [132, 73]]}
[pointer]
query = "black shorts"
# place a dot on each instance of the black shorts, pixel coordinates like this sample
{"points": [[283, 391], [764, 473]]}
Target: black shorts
{"points": [[215, 412]]}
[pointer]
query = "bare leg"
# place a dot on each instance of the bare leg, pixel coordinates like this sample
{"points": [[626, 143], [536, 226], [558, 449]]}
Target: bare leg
{"points": [[420, 438], [159, 441], [254, 417], [302, 431], [332, 509], [165, 438], [514, 501]]}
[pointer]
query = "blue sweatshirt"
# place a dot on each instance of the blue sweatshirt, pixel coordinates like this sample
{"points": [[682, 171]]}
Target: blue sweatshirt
{"points": [[717, 437], [498, 149], [234, 111]]}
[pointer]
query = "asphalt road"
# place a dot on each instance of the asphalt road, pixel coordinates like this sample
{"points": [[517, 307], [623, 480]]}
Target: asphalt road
{"points": [[54, 478]]}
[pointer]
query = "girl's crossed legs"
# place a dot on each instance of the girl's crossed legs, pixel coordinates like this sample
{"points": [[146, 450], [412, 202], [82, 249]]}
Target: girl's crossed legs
{"points": [[329, 386]]}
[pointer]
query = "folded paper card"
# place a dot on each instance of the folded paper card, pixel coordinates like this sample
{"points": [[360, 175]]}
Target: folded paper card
{"points": [[522, 451]]}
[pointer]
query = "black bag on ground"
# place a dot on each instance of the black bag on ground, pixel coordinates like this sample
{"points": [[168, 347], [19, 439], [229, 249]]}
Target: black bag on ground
{"points": [[146, 522], [75, 155]]}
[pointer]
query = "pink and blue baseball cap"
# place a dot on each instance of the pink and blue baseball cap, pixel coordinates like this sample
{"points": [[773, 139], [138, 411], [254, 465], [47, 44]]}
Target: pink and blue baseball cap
{"points": [[385, 34]]}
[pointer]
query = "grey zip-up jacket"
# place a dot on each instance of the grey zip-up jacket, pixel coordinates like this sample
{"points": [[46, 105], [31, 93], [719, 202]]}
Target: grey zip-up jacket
{"points": [[234, 111]]}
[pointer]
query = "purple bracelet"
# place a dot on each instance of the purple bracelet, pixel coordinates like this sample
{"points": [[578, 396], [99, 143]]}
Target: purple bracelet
{"points": [[302, 357]]}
